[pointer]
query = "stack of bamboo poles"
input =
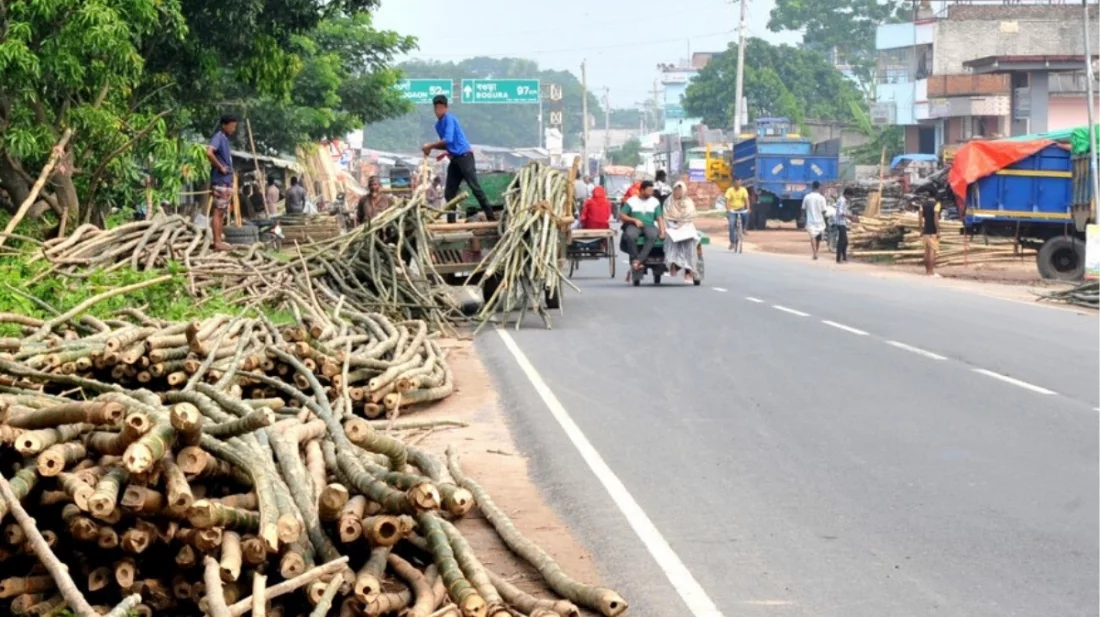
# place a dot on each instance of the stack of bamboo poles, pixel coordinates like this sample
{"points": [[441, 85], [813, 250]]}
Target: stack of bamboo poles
{"points": [[385, 266], [189, 468], [897, 236], [1086, 294], [538, 207]]}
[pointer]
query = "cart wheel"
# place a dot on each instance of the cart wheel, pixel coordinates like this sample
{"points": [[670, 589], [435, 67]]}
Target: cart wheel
{"points": [[637, 281], [572, 267], [611, 265], [696, 282], [656, 278], [553, 302]]}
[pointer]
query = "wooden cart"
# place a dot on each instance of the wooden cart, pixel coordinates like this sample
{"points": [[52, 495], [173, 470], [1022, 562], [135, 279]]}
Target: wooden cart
{"points": [[591, 244]]}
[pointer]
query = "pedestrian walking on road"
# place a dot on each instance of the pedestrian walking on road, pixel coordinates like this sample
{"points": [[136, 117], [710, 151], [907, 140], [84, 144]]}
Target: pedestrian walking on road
{"points": [[929, 223], [661, 189], [642, 214], [737, 207], [462, 165], [842, 218], [679, 213], [218, 152], [813, 208]]}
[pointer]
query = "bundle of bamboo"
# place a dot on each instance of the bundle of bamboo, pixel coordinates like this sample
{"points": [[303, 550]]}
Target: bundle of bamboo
{"points": [[1086, 294], [181, 466], [538, 211], [898, 237]]}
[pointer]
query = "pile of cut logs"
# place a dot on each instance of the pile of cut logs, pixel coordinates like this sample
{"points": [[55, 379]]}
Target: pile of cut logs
{"points": [[224, 466], [897, 237]]}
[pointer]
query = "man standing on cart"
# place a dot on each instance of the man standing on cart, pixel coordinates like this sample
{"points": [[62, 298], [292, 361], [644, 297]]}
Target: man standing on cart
{"points": [[462, 166]]}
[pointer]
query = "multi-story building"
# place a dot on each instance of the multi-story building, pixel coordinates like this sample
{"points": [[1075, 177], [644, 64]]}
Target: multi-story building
{"points": [[978, 70]]}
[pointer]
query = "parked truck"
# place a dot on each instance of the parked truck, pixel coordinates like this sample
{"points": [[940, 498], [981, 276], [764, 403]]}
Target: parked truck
{"points": [[779, 166], [1036, 191]]}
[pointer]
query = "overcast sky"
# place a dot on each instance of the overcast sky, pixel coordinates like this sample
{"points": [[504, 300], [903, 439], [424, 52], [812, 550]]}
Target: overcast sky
{"points": [[623, 40]]}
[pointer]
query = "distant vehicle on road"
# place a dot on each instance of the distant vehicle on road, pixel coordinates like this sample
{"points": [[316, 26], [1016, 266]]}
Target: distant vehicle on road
{"points": [[778, 165]]}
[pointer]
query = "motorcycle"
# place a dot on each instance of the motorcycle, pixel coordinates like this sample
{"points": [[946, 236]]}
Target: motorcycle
{"points": [[270, 232]]}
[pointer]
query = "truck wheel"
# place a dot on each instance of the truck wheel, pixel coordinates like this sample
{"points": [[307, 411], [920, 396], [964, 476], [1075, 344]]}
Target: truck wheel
{"points": [[1062, 258]]}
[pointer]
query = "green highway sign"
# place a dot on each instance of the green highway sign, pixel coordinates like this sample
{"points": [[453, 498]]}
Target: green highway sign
{"points": [[500, 91], [421, 91]]}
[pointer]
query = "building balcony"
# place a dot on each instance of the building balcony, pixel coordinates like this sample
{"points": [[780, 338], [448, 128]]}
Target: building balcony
{"points": [[945, 86]]}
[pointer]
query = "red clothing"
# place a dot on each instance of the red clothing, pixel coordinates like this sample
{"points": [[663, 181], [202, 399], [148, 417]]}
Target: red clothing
{"points": [[596, 211], [632, 191]]}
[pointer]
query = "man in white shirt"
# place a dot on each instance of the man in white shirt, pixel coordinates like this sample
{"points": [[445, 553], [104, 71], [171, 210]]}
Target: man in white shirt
{"points": [[813, 208], [642, 215], [580, 192]]}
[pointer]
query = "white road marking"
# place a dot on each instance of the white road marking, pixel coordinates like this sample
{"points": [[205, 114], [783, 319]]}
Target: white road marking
{"points": [[691, 592], [843, 327], [1015, 382], [789, 310], [916, 350], [720, 289], [752, 299]]}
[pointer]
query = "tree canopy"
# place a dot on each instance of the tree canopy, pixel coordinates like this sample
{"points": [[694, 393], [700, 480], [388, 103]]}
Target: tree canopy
{"points": [[495, 125], [848, 26], [780, 80], [139, 81]]}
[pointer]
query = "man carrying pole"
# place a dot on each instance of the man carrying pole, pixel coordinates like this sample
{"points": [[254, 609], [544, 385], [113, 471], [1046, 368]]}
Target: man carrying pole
{"points": [[462, 166]]}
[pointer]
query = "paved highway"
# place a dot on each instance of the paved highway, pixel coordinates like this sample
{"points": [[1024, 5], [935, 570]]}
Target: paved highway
{"points": [[790, 439]]}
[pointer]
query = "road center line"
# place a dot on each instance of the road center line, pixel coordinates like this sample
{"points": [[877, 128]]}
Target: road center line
{"points": [[691, 592], [752, 299], [720, 289], [841, 326], [1015, 382], [916, 350], [779, 307]]}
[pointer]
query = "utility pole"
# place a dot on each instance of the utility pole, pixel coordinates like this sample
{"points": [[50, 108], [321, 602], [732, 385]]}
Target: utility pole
{"points": [[584, 117], [743, 29], [657, 127], [607, 123], [1089, 76], [541, 132]]}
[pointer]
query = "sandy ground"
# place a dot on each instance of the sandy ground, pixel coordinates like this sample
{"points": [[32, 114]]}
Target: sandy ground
{"points": [[489, 456], [1012, 281]]}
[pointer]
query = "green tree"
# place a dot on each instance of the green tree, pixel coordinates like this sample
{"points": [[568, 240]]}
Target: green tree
{"points": [[848, 26], [495, 125], [780, 80], [76, 65], [137, 81], [628, 118], [345, 82], [630, 154]]}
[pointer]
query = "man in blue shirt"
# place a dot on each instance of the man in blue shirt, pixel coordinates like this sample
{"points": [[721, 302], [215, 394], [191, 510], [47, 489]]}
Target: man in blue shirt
{"points": [[221, 177], [453, 140]]}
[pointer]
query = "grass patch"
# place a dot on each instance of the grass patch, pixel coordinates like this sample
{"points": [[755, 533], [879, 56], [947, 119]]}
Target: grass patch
{"points": [[168, 300]]}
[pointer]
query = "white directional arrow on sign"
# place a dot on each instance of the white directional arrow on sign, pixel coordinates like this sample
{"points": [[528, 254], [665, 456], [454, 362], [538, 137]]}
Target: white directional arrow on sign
{"points": [[468, 91]]}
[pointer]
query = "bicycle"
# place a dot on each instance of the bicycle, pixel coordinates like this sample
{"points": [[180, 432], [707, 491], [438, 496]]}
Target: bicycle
{"points": [[738, 233]]}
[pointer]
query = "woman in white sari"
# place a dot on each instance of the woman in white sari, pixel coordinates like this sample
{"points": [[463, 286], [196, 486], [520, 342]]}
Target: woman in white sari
{"points": [[680, 224]]}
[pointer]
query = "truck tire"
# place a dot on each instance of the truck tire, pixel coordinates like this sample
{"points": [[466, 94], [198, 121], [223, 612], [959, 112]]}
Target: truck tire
{"points": [[1062, 258], [245, 234]]}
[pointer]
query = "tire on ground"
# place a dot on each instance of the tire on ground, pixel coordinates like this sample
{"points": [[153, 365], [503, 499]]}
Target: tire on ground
{"points": [[1062, 258], [553, 302], [245, 234]]}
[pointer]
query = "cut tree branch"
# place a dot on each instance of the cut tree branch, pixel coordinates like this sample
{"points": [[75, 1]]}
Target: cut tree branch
{"points": [[55, 155]]}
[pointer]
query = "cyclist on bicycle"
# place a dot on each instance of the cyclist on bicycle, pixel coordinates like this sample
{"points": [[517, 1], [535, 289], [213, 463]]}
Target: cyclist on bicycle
{"points": [[737, 208]]}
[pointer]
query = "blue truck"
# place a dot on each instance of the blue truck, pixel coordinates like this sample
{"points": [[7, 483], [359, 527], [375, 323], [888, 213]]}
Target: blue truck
{"points": [[1043, 201], [780, 166]]}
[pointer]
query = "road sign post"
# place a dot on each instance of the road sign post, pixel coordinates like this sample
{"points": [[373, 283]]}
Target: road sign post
{"points": [[422, 91], [511, 91]]}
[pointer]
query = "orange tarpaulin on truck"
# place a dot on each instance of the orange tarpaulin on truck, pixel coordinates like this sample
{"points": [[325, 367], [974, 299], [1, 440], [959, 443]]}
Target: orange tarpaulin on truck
{"points": [[979, 159]]}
